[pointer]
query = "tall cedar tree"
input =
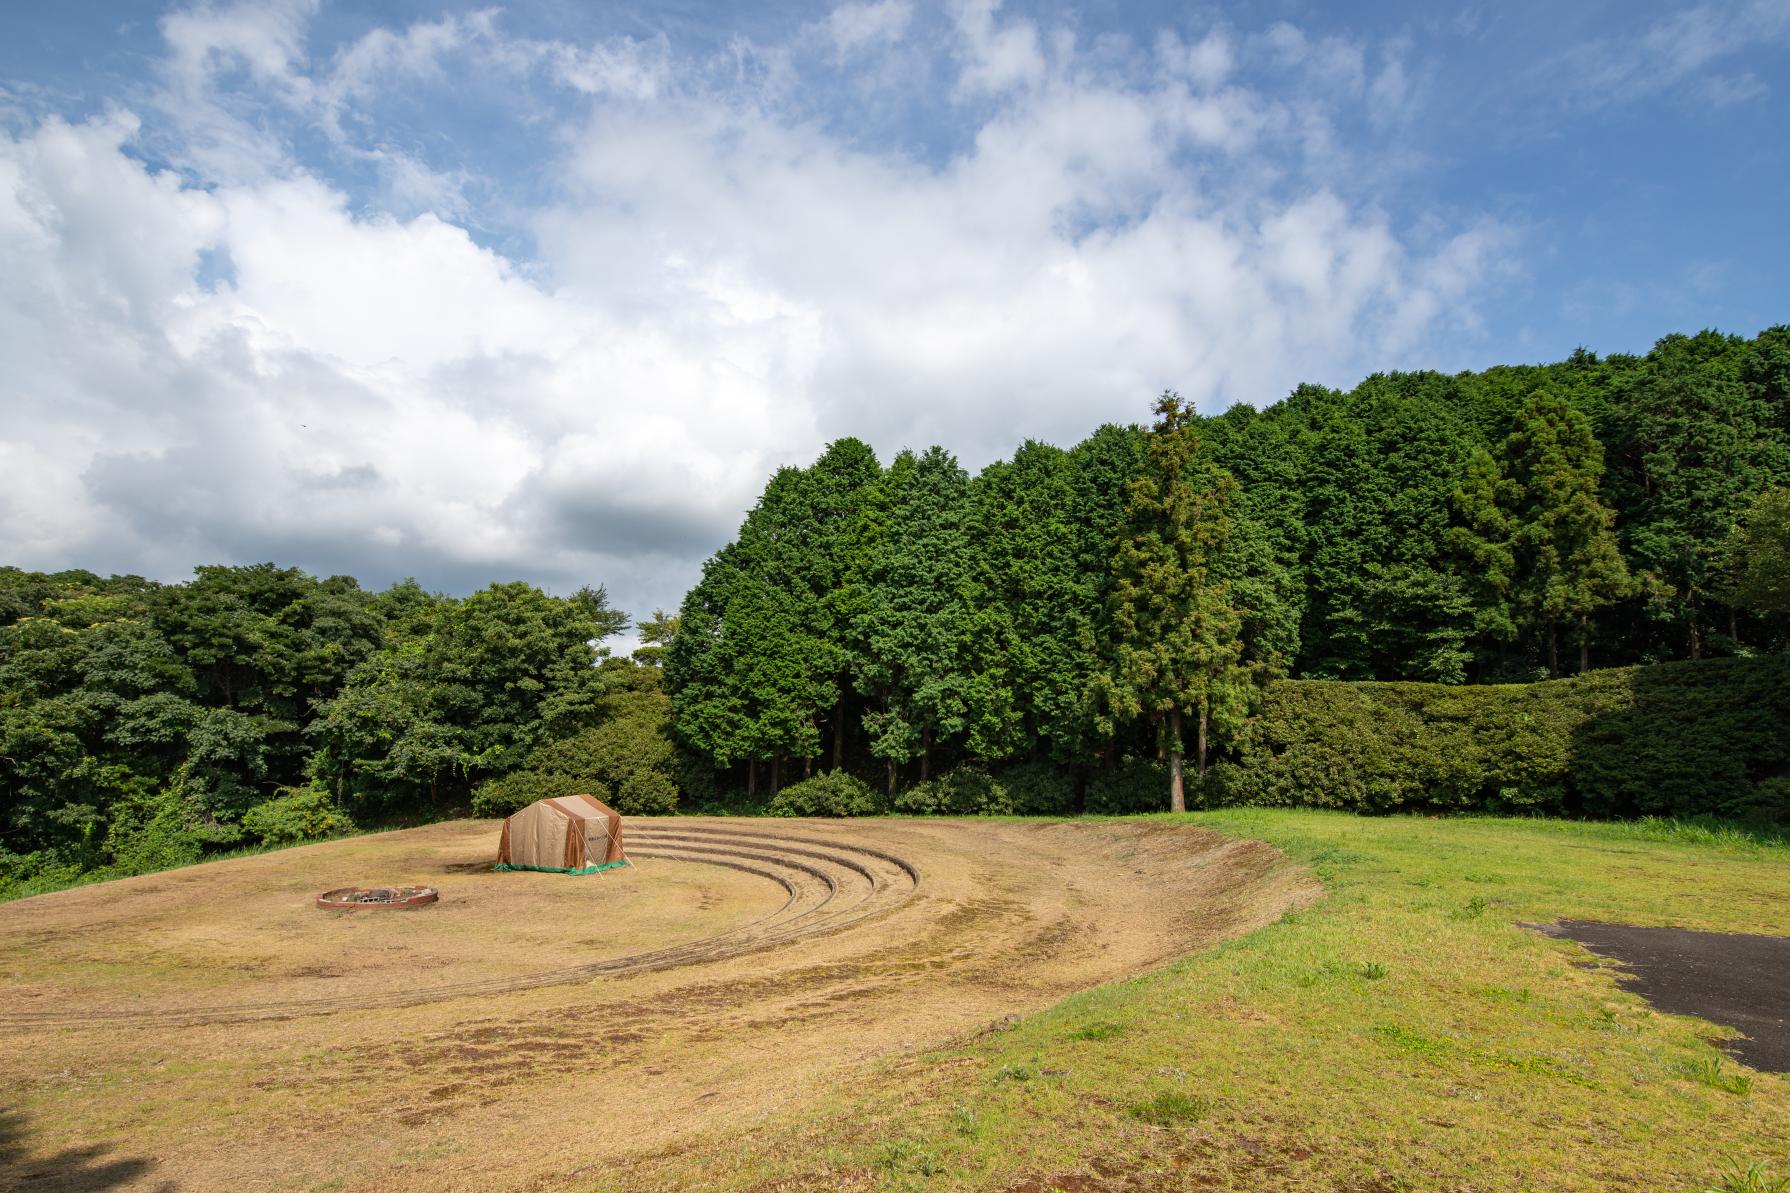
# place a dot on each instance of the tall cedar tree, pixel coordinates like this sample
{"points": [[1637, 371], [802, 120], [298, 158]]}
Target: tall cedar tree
{"points": [[1484, 545], [1568, 562], [1176, 647]]}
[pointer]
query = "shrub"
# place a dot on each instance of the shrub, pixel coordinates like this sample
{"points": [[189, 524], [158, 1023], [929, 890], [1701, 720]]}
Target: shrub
{"points": [[963, 791], [152, 834], [24, 874], [645, 792], [1674, 739], [697, 781], [1038, 789], [516, 790], [305, 814], [1135, 785], [833, 793]]}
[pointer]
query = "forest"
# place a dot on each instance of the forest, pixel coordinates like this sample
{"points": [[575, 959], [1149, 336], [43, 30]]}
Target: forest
{"points": [[146, 725], [1484, 528], [1046, 635]]}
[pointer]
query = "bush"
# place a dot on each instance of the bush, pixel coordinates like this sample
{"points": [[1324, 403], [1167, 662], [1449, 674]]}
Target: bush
{"points": [[1038, 789], [645, 792], [512, 792], [306, 814], [1673, 739], [152, 834], [1135, 785], [23, 874], [697, 781], [964, 791], [833, 793]]}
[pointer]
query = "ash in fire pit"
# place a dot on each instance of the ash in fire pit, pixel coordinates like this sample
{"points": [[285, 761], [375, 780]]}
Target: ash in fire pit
{"points": [[368, 898]]}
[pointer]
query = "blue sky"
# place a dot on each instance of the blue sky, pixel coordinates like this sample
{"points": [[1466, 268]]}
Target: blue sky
{"points": [[470, 292]]}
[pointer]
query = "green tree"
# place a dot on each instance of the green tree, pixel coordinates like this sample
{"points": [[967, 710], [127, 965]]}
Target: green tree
{"points": [[1692, 444], [764, 650], [1568, 562], [1755, 562], [1483, 541], [1379, 467], [656, 633], [1176, 648], [915, 625], [466, 692]]}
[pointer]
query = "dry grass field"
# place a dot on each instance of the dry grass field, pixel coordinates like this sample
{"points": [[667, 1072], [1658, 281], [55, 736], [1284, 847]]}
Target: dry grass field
{"points": [[210, 1028]]}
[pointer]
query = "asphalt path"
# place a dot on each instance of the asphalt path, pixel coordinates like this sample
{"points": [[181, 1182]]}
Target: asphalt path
{"points": [[1731, 978]]}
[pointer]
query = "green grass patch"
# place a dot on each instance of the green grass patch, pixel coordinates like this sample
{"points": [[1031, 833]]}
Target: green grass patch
{"points": [[1101, 1029], [1170, 1108], [1711, 1069]]}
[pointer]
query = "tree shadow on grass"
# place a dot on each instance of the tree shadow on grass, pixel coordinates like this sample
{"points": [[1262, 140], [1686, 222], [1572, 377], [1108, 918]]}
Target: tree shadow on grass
{"points": [[74, 1170]]}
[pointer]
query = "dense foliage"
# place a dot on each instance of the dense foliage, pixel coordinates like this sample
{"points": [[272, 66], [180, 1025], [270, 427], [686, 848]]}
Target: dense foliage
{"points": [[142, 725], [1070, 606], [1677, 739]]}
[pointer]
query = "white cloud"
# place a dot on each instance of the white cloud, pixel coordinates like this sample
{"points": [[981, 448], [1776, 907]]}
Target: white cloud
{"points": [[1207, 63], [996, 55], [251, 365], [625, 67], [856, 26]]}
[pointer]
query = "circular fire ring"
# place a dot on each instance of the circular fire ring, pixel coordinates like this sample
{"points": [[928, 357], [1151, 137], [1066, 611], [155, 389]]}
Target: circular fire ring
{"points": [[377, 898]]}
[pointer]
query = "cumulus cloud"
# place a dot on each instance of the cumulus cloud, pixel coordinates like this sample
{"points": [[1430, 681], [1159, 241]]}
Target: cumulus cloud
{"points": [[249, 358]]}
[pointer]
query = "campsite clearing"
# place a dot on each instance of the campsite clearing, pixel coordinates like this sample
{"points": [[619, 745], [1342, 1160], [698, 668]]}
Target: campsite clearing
{"points": [[211, 1028]]}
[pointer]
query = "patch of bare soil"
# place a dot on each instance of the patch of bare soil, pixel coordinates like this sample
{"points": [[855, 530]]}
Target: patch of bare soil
{"points": [[213, 1025]]}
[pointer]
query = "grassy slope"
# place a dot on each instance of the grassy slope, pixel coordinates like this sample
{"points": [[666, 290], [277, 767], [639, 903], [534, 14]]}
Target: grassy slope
{"points": [[1403, 1033]]}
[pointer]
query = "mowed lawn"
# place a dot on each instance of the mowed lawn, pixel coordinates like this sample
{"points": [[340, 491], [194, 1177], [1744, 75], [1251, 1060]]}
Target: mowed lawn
{"points": [[1404, 1033]]}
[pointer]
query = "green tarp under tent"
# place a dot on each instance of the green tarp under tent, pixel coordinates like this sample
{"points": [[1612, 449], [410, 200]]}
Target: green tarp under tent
{"points": [[569, 834]]}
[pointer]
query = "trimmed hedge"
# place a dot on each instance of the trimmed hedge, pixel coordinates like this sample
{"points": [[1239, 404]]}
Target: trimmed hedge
{"points": [[1710, 737]]}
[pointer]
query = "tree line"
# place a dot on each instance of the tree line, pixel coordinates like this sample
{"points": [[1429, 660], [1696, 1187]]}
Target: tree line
{"points": [[143, 724], [1128, 596], [1067, 622]]}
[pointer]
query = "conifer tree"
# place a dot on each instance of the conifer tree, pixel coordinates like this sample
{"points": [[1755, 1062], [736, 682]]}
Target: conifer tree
{"points": [[1569, 565], [1176, 647], [1483, 541]]}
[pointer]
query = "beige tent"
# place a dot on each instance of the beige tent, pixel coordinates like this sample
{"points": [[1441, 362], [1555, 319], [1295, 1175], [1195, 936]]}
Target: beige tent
{"points": [[570, 834]]}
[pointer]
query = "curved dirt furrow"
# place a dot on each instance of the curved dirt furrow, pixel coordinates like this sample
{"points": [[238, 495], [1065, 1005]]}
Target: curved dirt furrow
{"points": [[821, 900], [746, 835]]}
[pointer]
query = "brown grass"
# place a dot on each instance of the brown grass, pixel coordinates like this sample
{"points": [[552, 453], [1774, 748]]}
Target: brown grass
{"points": [[148, 1040]]}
